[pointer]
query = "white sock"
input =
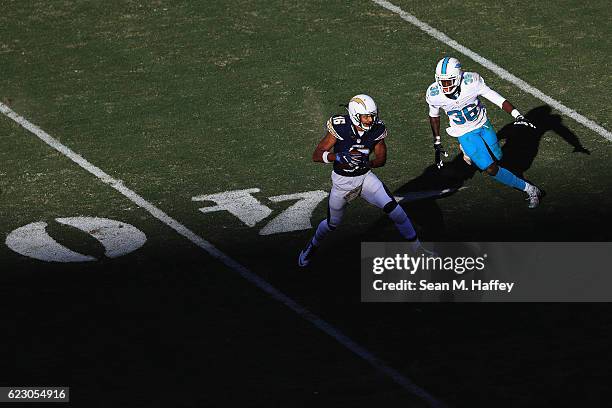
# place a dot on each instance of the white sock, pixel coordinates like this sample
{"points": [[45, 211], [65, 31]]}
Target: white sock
{"points": [[322, 231], [402, 222]]}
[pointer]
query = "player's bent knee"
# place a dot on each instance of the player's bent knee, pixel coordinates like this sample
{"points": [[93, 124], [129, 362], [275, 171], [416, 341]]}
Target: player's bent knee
{"points": [[390, 206], [492, 169], [335, 207]]}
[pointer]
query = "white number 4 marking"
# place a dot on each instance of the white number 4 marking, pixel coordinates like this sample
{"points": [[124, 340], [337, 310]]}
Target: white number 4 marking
{"points": [[248, 209], [239, 203]]}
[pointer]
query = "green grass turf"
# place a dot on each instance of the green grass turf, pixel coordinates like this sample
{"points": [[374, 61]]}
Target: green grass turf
{"points": [[185, 99], [557, 47], [179, 99]]}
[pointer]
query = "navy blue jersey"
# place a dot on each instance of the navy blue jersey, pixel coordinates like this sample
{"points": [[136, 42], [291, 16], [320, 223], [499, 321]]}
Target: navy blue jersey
{"points": [[347, 139]]}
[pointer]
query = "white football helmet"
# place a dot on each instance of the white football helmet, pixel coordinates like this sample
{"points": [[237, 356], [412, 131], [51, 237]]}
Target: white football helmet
{"points": [[362, 105], [448, 75]]}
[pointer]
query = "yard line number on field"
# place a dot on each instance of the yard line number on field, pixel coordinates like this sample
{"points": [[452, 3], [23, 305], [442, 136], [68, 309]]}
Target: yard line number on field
{"points": [[501, 72]]}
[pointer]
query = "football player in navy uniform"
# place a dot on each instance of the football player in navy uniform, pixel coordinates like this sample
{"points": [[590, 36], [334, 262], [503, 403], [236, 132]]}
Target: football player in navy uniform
{"points": [[348, 143]]}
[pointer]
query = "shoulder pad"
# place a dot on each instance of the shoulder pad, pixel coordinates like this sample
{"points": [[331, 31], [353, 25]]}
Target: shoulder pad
{"points": [[433, 90], [335, 125], [380, 130], [472, 78]]}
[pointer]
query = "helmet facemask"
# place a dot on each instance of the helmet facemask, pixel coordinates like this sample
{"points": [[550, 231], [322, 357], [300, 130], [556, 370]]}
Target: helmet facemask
{"points": [[448, 85], [363, 125]]}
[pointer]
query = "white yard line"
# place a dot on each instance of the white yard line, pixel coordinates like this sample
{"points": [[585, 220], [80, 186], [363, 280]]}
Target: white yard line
{"points": [[501, 72], [246, 273]]}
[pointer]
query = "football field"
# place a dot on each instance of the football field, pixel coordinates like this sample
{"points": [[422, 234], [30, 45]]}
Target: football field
{"points": [[156, 187]]}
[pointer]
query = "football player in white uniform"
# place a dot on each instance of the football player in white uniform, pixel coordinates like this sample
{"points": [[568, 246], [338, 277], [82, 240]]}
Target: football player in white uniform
{"points": [[457, 93], [353, 137]]}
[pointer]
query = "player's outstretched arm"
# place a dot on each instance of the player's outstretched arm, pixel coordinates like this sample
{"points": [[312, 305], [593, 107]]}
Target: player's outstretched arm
{"points": [[503, 103], [322, 152], [434, 122], [380, 153], [518, 118]]}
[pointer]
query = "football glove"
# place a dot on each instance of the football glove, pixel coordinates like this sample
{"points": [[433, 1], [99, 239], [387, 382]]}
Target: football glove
{"points": [[359, 159], [521, 121], [344, 158], [439, 153]]}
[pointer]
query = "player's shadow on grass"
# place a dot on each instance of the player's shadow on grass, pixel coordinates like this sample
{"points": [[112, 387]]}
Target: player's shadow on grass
{"points": [[522, 143], [520, 148], [419, 196]]}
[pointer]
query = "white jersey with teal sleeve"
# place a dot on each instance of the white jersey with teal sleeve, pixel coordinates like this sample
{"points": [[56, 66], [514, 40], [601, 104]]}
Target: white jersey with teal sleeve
{"points": [[467, 112]]}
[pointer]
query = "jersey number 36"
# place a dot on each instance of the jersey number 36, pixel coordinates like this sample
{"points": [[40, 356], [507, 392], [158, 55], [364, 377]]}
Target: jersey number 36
{"points": [[469, 114]]}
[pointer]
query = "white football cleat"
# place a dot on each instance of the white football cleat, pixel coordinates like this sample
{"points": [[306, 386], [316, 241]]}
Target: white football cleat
{"points": [[533, 196], [306, 254]]}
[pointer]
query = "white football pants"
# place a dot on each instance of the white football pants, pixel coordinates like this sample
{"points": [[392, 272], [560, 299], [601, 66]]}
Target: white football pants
{"points": [[345, 189], [368, 186]]}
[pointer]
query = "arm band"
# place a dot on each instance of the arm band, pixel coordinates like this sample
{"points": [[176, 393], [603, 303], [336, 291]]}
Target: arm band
{"points": [[325, 154], [515, 113]]}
